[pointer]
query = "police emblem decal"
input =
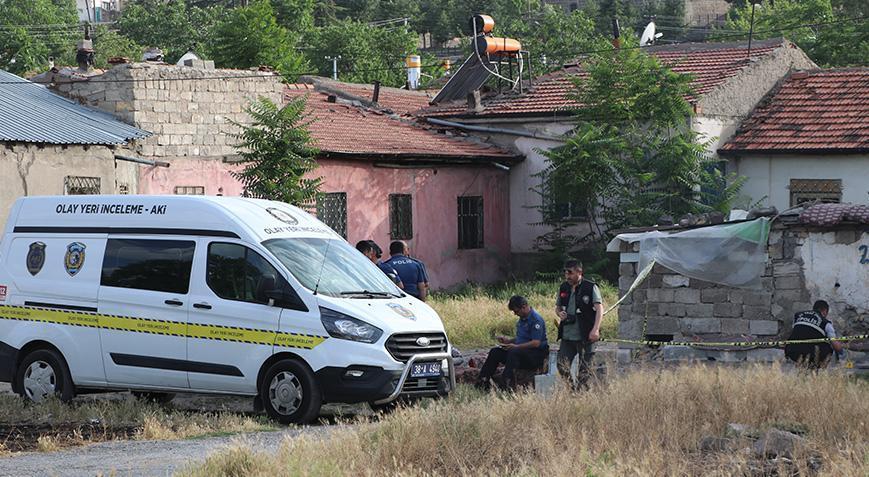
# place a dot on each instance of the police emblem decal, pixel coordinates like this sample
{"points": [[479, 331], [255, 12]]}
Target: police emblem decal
{"points": [[35, 257], [283, 216], [585, 299], [402, 310], [74, 258]]}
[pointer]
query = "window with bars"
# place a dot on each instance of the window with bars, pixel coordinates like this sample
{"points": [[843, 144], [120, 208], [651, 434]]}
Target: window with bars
{"points": [[470, 222], [400, 216], [332, 211], [123, 189], [189, 190], [808, 190], [77, 185]]}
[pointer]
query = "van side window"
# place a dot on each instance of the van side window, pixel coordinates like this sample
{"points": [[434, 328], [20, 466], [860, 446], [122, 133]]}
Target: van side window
{"points": [[236, 272], [157, 265]]}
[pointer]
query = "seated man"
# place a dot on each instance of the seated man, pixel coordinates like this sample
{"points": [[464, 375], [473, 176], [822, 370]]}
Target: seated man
{"points": [[528, 350]]}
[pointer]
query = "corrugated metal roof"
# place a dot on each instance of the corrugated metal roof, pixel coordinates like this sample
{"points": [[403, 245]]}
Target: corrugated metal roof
{"points": [[31, 113]]}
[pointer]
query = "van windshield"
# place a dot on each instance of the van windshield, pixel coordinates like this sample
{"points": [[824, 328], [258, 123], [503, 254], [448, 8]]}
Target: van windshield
{"points": [[345, 272]]}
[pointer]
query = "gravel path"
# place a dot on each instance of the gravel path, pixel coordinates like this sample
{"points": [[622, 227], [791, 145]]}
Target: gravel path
{"points": [[139, 458]]}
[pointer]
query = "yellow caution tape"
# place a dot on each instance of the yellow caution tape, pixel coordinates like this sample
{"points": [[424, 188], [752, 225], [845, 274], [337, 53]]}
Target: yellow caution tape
{"points": [[769, 344], [159, 327]]}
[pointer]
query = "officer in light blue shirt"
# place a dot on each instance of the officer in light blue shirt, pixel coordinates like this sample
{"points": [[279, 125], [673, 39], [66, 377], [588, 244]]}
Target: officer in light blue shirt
{"points": [[528, 350], [411, 271]]}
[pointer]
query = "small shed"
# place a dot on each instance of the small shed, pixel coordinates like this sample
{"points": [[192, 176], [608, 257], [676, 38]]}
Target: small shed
{"points": [[819, 253]]}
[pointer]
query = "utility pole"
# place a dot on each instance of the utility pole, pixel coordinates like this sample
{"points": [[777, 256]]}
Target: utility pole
{"points": [[334, 60], [751, 28]]}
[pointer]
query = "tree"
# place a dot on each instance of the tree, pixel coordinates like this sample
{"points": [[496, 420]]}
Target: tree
{"points": [[109, 44], [32, 32], [632, 156], [832, 34], [277, 154], [368, 53], [175, 27], [296, 16], [251, 37]]}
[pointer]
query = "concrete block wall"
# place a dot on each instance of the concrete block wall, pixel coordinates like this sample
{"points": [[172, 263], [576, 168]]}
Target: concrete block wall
{"points": [[188, 110], [687, 308]]}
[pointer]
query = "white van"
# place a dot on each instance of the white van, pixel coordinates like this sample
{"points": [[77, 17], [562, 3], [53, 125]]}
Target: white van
{"points": [[166, 294]]}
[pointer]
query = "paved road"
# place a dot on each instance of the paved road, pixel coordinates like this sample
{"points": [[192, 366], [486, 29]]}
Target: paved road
{"points": [[139, 458]]}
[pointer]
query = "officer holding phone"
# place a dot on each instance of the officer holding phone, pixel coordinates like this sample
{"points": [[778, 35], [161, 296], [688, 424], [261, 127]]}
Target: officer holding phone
{"points": [[527, 350]]}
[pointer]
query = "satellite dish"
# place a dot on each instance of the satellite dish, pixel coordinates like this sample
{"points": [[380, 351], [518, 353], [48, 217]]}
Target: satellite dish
{"points": [[649, 35]]}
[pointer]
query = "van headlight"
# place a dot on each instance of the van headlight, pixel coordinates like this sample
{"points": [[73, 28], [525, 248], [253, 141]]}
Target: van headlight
{"points": [[344, 327]]}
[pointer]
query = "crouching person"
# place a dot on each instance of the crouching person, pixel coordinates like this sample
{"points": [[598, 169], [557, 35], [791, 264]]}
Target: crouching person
{"points": [[528, 350]]}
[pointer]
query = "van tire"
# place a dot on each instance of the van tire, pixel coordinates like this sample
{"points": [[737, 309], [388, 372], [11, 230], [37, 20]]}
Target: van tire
{"points": [[157, 398], [280, 392], [47, 368]]}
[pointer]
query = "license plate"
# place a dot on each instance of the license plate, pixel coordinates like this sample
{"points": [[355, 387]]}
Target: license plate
{"points": [[425, 370]]}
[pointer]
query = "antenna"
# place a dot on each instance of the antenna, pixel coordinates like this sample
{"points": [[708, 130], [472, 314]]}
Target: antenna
{"points": [[322, 266], [649, 36]]}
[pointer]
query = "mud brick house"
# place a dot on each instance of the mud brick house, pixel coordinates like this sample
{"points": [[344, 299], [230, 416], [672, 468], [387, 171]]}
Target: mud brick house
{"points": [[728, 78], [808, 139], [819, 253], [386, 177]]}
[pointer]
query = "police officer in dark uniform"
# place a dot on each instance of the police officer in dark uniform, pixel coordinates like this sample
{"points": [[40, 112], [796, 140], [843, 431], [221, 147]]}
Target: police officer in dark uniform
{"points": [[813, 325], [579, 313], [527, 350], [412, 272], [370, 249]]}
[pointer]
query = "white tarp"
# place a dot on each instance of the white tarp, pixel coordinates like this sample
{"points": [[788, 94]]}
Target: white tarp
{"points": [[732, 254]]}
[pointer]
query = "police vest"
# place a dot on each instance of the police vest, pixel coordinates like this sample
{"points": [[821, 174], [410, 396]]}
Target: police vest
{"points": [[809, 325], [584, 300]]}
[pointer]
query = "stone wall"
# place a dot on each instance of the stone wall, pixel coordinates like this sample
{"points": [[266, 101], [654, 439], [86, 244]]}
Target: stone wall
{"points": [[40, 169], [189, 110], [805, 264]]}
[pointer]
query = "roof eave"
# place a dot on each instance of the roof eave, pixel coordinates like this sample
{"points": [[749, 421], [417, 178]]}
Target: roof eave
{"points": [[736, 152], [411, 158]]}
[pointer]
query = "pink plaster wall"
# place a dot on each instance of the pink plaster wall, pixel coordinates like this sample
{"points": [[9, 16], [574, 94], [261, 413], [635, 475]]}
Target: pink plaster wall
{"points": [[435, 223], [213, 174]]}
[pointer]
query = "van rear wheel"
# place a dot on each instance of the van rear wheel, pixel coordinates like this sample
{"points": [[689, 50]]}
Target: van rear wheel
{"points": [[290, 393], [43, 373]]}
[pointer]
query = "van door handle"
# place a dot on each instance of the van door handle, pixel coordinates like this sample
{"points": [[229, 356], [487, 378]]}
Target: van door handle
{"points": [[173, 302], [202, 306]]}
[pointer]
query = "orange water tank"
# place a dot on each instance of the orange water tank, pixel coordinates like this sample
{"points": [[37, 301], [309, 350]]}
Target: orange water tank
{"points": [[482, 23], [492, 44]]}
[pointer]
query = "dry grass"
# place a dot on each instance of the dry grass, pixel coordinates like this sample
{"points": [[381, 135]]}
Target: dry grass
{"points": [[474, 314], [643, 423]]}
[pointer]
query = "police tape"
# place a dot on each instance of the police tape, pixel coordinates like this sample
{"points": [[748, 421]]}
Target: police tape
{"points": [[737, 344]]}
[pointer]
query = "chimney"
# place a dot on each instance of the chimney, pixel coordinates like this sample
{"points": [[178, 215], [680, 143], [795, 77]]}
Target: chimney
{"points": [[331, 98], [414, 71], [376, 95], [84, 55], [474, 103]]}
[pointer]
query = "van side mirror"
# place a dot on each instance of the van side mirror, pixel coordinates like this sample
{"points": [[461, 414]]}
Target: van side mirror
{"points": [[269, 292]]}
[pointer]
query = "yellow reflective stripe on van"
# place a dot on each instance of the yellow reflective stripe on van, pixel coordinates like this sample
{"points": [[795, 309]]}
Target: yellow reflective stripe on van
{"points": [[160, 327]]}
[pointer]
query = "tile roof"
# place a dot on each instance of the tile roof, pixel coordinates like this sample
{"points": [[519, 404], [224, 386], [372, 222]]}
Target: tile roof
{"points": [[31, 113], [710, 63], [342, 128], [397, 100], [817, 110]]}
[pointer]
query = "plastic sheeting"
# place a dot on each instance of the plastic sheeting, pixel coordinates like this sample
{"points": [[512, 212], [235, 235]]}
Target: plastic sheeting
{"points": [[727, 254]]}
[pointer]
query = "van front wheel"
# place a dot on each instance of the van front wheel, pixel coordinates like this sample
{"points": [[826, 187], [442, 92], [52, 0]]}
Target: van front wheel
{"points": [[290, 393], [43, 374]]}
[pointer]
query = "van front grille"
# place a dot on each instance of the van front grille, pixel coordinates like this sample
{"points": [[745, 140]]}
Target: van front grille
{"points": [[404, 345]]}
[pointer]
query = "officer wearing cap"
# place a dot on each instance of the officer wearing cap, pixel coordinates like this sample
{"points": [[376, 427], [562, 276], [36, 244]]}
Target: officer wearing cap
{"points": [[411, 272], [370, 249], [527, 350]]}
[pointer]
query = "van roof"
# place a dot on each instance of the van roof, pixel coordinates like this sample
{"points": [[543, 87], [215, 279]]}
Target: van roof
{"points": [[249, 219]]}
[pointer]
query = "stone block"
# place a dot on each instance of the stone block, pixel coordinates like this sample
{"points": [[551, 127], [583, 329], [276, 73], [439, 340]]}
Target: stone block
{"points": [[726, 310], [713, 295], [757, 298], [687, 295], [702, 285], [627, 270], [734, 326], [675, 281], [752, 312], [765, 355], [660, 295], [678, 353], [632, 329], [700, 325], [763, 327], [786, 267], [672, 309], [662, 326], [699, 311], [625, 282], [775, 236], [776, 252], [790, 282], [787, 297], [736, 296]]}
